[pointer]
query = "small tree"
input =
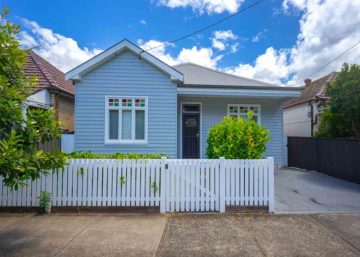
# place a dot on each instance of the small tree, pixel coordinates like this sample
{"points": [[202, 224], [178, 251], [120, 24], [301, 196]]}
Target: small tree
{"points": [[20, 134], [341, 117], [235, 138]]}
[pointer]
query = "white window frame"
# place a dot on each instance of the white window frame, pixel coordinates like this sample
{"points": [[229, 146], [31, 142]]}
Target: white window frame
{"points": [[131, 141], [246, 105]]}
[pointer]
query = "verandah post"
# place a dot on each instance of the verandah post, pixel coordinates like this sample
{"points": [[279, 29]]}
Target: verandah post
{"points": [[222, 184], [271, 184], [163, 185]]}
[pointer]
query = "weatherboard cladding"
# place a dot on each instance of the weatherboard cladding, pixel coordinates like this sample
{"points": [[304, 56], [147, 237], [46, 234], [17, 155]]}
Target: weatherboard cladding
{"points": [[126, 75], [213, 111]]}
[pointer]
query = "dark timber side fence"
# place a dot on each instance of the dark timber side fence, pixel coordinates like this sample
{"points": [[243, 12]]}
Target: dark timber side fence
{"points": [[54, 145], [332, 156]]}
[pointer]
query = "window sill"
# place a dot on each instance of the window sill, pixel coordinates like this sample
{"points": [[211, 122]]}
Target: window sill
{"points": [[124, 142]]}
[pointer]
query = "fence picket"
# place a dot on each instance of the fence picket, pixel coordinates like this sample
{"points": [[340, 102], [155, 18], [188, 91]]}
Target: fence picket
{"points": [[188, 185]]}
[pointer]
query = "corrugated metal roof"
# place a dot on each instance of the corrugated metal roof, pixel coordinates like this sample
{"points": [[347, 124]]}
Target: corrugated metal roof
{"points": [[198, 75]]}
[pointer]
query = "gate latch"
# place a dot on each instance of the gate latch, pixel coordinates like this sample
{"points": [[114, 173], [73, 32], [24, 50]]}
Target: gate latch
{"points": [[166, 166]]}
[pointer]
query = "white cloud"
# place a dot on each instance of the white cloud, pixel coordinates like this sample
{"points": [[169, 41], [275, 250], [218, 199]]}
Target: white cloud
{"points": [[202, 6], [259, 36], [199, 55], [224, 34], [159, 51], [270, 67], [327, 29], [298, 4], [220, 39], [234, 48], [143, 22], [217, 44], [26, 40], [61, 51]]}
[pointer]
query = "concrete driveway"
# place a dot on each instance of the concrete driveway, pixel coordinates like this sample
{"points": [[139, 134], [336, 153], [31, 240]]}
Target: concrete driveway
{"points": [[80, 234], [300, 191], [261, 235]]}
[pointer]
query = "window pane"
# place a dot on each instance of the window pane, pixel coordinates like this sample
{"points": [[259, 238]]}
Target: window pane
{"points": [[243, 117], [113, 124], [140, 125], [126, 124]]}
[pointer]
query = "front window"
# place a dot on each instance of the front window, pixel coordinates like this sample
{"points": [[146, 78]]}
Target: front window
{"points": [[241, 111], [126, 120]]}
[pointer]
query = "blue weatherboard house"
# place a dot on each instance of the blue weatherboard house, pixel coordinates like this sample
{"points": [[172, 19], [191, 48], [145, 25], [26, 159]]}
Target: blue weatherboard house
{"points": [[127, 100]]}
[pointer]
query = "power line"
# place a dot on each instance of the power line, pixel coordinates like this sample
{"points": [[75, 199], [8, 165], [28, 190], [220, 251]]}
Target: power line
{"points": [[333, 60], [206, 27]]}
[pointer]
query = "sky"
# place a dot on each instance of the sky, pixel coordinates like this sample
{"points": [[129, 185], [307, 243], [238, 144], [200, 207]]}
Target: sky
{"points": [[277, 41]]}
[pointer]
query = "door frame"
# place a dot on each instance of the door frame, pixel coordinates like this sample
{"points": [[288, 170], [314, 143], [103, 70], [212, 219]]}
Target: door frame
{"points": [[181, 130]]}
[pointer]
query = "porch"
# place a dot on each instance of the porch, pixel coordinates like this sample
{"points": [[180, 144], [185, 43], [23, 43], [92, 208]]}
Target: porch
{"points": [[197, 114]]}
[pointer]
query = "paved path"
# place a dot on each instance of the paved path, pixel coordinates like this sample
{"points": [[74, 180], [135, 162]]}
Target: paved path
{"points": [[183, 235], [299, 191], [261, 235], [80, 234]]}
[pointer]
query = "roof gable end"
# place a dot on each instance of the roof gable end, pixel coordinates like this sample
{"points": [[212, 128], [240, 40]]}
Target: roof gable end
{"points": [[48, 76], [313, 91], [82, 69]]}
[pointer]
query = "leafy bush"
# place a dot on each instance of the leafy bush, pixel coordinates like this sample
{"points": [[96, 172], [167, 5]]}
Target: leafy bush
{"points": [[20, 159], [342, 115], [120, 156], [45, 202], [235, 138]]}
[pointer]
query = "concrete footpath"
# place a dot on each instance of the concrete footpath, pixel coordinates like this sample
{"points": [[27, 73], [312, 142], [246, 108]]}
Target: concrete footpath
{"points": [[80, 234], [179, 235]]}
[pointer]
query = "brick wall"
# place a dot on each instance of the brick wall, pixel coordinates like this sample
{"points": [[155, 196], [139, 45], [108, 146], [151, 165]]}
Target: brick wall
{"points": [[65, 111]]}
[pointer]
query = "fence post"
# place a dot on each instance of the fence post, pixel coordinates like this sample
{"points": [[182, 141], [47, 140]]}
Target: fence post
{"points": [[163, 185], [222, 184], [271, 184]]}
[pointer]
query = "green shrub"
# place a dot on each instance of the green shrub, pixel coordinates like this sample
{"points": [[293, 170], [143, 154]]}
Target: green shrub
{"points": [[45, 202], [235, 138], [120, 156]]}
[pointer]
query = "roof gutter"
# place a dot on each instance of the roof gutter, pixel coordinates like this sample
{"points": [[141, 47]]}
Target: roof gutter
{"points": [[240, 87]]}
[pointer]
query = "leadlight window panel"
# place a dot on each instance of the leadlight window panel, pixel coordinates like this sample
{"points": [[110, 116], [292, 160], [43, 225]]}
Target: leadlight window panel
{"points": [[140, 103], [113, 102], [241, 111], [127, 119]]}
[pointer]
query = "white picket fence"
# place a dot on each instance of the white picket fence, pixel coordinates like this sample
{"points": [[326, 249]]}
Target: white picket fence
{"points": [[174, 185]]}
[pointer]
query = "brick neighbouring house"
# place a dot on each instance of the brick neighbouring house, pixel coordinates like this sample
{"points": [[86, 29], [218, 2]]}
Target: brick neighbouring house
{"points": [[52, 90]]}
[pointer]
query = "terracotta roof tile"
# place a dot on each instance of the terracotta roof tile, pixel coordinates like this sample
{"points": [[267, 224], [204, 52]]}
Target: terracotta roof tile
{"points": [[315, 89], [48, 76]]}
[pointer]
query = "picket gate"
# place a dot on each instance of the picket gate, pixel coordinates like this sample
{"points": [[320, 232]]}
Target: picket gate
{"points": [[175, 185]]}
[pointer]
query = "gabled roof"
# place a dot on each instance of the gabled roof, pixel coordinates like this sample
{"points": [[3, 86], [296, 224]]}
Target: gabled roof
{"points": [[195, 74], [48, 76], [82, 69], [315, 90]]}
